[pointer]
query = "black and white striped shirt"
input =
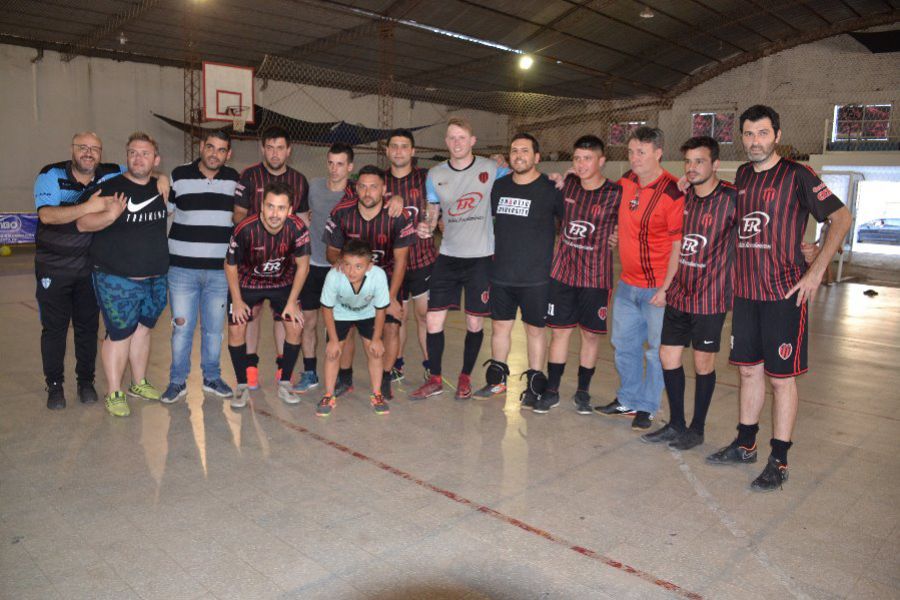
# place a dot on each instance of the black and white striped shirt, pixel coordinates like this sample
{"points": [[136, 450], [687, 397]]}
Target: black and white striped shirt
{"points": [[203, 210]]}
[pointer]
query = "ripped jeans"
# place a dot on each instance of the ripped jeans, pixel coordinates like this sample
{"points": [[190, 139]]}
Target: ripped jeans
{"points": [[194, 292]]}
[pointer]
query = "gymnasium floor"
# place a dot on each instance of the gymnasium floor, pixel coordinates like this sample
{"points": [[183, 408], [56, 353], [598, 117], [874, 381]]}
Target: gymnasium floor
{"points": [[447, 499]]}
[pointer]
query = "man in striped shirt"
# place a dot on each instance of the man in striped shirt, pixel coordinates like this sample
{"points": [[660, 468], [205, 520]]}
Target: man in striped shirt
{"points": [[203, 202], [700, 294]]}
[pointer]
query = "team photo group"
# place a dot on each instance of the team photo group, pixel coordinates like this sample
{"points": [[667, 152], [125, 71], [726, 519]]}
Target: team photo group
{"points": [[374, 254]]}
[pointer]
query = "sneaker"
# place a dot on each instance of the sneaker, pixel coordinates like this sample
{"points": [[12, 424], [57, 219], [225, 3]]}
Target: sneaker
{"points": [[549, 399], [582, 402], [667, 433], [397, 374], [242, 397], [143, 389], [218, 387], [527, 400], [687, 440], [775, 474], [56, 397], [117, 405], [386, 388], [285, 393], [497, 373], [173, 393], [432, 387], [642, 420], [325, 406], [464, 387], [341, 388], [615, 409], [308, 380], [381, 407], [86, 392], [253, 378], [489, 391], [733, 454]]}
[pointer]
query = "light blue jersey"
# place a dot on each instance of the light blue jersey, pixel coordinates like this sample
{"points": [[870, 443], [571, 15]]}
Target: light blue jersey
{"points": [[350, 305]]}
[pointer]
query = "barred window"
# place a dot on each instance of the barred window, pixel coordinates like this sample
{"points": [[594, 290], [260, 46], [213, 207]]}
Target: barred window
{"points": [[862, 122], [719, 126]]}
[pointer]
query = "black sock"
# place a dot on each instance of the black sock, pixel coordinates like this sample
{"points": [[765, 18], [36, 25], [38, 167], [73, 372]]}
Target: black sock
{"points": [[584, 378], [345, 376], [252, 359], [386, 384], [674, 380], [703, 391], [554, 375], [780, 449], [239, 360], [291, 352], [434, 342], [398, 364], [309, 364], [471, 348], [747, 435], [279, 360]]}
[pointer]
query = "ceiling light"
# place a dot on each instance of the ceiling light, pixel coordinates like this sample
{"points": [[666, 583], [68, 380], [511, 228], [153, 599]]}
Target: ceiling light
{"points": [[525, 62], [646, 13]]}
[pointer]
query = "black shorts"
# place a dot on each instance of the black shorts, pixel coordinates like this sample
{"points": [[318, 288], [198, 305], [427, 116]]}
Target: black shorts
{"points": [[570, 306], [277, 298], [451, 275], [774, 333], [365, 327], [532, 300], [416, 282], [701, 332], [311, 292]]}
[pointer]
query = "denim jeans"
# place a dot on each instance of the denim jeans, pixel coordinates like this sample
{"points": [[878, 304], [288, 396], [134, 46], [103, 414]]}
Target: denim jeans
{"points": [[636, 322], [193, 292]]}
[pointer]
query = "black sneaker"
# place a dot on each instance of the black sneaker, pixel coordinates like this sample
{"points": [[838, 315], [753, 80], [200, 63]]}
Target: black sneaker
{"points": [[687, 440], [615, 409], [733, 454], [528, 400], [775, 474], [549, 399], [582, 402], [642, 420], [342, 387], [86, 393], [666, 434], [56, 397]]}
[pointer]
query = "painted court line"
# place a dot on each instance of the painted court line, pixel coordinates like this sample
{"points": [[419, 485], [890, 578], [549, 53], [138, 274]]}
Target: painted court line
{"points": [[488, 511]]}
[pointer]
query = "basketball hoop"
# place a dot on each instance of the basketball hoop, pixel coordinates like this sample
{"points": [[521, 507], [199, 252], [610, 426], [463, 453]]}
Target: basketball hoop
{"points": [[238, 115]]}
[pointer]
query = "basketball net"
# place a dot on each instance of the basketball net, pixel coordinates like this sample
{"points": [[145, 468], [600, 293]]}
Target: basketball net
{"points": [[238, 116]]}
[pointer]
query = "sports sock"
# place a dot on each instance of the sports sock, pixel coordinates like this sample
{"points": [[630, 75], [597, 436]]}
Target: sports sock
{"points": [[386, 384], [471, 347], [309, 364], [703, 391], [584, 378], [674, 380], [780, 449], [398, 364], [747, 435], [434, 342], [554, 375], [252, 359], [239, 361], [345, 376], [291, 352]]}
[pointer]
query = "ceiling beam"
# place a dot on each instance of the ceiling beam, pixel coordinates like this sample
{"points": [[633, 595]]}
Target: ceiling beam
{"points": [[112, 25]]}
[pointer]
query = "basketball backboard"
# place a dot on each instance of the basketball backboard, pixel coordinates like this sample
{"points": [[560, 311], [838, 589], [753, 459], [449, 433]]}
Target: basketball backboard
{"points": [[227, 93]]}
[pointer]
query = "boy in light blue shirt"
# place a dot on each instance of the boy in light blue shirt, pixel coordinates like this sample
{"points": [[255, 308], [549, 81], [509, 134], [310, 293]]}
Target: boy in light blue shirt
{"points": [[355, 294]]}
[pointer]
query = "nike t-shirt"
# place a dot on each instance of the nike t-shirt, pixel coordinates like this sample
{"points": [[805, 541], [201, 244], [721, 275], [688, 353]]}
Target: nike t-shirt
{"points": [[135, 244]]}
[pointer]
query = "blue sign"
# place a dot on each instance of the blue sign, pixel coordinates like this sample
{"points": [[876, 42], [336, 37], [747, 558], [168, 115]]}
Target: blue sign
{"points": [[18, 228]]}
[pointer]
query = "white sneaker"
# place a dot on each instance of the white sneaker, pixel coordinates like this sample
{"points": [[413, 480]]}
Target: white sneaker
{"points": [[241, 399], [285, 393]]}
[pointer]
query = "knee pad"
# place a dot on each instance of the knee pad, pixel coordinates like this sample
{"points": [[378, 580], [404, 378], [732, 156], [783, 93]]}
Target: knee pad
{"points": [[496, 372], [537, 382]]}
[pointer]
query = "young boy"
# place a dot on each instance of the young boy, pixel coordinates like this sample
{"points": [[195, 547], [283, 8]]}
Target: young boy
{"points": [[355, 294]]}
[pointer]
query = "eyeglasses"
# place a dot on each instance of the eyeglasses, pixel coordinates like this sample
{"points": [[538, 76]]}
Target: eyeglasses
{"points": [[86, 148]]}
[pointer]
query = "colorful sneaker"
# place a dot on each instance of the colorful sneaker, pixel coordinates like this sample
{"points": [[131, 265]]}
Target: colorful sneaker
{"points": [[242, 397], [117, 405], [432, 387], [495, 374], [325, 406], [218, 387], [378, 403], [775, 474], [253, 378], [143, 389], [615, 409], [464, 387], [285, 393], [308, 380], [173, 393]]}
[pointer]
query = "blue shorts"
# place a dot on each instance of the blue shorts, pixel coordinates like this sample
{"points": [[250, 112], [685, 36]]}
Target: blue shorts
{"points": [[126, 303]]}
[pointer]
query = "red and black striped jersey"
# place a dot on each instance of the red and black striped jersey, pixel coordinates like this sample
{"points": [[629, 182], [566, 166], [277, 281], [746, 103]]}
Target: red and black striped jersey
{"points": [[249, 191], [583, 257], [266, 260], [773, 207], [702, 284], [383, 232], [412, 189]]}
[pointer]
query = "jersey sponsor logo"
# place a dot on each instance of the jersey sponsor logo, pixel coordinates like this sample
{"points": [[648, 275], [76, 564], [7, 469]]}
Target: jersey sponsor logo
{"points": [[578, 230], [551, 309], [269, 268], [753, 223], [485, 297], [785, 351], [768, 194], [602, 313], [821, 191], [517, 207], [132, 207], [465, 204], [483, 177], [693, 243]]}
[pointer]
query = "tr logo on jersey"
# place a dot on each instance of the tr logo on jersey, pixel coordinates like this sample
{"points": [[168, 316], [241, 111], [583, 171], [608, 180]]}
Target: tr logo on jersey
{"points": [[466, 203], [413, 212], [578, 230], [377, 256], [752, 224], [269, 268], [785, 351], [692, 243]]}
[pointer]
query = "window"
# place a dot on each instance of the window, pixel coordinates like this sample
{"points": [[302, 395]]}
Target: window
{"points": [[620, 132], [861, 122], [718, 126]]}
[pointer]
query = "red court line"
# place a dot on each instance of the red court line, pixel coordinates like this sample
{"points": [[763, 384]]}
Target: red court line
{"points": [[486, 510]]}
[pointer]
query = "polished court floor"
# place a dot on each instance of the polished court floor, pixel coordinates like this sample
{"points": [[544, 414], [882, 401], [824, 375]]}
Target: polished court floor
{"points": [[447, 499]]}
